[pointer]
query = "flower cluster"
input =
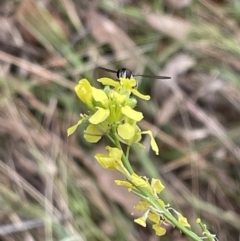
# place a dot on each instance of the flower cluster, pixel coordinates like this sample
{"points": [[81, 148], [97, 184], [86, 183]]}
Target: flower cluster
{"points": [[111, 111]]}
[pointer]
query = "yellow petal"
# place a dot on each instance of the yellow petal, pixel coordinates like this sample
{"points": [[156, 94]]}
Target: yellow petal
{"points": [[141, 221], [112, 160], [154, 217], [92, 134], [72, 129], [157, 185], [138, 181], [105, 161], [84, 91], [183, 220], [115, 153], [99, 116], [128, 84], [136, 138], [132, 114], [198, 220], [161, 202], [142, 205], [108, 81], [119, 99], [124, 183], [160, 231], [153, 142], [138, 94], [126, 131], [100, 96]]}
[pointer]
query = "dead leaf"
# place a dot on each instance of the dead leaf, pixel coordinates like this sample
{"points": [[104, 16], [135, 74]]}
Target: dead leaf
{"points": [[180, 64], [106, 31], [176, 4], [174, 27], [162, 89], [37, 23]]}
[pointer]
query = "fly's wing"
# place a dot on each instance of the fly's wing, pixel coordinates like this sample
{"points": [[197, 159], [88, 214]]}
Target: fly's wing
{"points": [[108, 70], [154, 77], [147, 76]]}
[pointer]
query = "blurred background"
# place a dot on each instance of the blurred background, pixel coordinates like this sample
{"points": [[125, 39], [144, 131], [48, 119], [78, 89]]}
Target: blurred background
{"points": [[51, 188]]}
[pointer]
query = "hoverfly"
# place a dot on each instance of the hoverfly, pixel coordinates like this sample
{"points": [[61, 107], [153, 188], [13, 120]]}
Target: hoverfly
{"points": [[128, 74]]}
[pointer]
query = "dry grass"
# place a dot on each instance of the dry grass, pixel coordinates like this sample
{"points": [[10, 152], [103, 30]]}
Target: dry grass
{"points": [[50, 186]]}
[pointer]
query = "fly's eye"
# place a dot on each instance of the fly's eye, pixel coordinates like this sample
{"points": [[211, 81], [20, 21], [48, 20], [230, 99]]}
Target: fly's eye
{"points": [[123, 73], [129, 74]]}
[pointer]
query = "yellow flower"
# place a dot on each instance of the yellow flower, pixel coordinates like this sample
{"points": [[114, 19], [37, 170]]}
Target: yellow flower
{"points": [[142, 205], [142, 220], [132, 114], [99, 116], [112, 107], [198, 220], [153, 142], [129, 133], [154, 217], [160, 231], [126, 184], [113, 160], [117, 98], [100, 97], [183, 220], [73, 128], [139, 95], [157, 185], [92, 134], [128, 84], [161, 202], [110, 82], [125, 87], [138, 181], [126, 131], [119, 108], [137, 136], [84, 92]]}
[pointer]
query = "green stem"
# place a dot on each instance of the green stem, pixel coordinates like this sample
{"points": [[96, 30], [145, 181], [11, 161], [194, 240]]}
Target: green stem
{"points": [[206, 233], [151, 199], [125, 160], [127, 152], [111, 139]]}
